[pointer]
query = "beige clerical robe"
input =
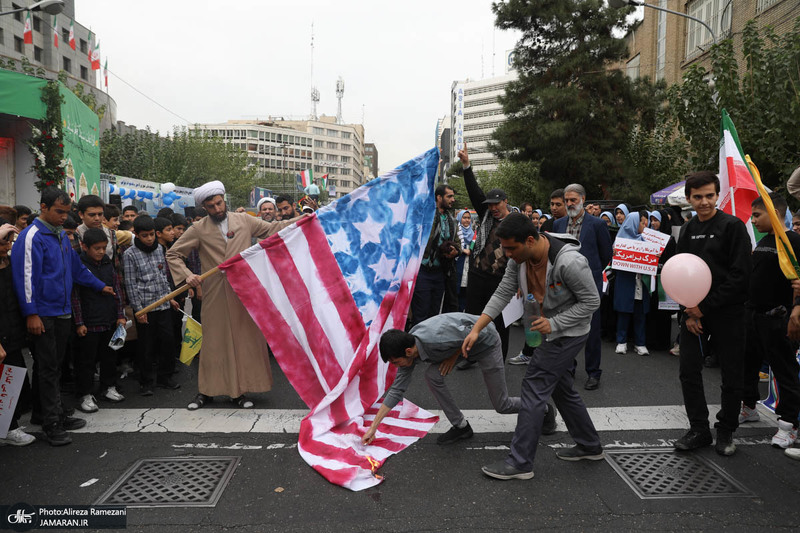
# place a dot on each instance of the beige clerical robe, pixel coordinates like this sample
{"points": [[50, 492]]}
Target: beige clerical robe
{"points": [[234, 358]]}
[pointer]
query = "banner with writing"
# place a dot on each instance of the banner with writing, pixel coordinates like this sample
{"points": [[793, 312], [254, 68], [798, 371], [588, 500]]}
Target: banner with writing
{"points": [[640, 257], [10, 385], [81, 139], [656, 237]]}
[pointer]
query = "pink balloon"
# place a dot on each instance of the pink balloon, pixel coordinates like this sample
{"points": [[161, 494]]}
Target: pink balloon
{"points": [[687, 279]]}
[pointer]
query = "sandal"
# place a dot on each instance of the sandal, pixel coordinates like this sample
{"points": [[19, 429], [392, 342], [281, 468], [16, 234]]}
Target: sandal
{"points": [[243, 401], [199, 401]]}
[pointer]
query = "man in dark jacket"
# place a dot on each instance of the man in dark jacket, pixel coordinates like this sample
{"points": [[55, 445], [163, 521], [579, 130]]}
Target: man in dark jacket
{"points": [[44, 267], [596, 248]]}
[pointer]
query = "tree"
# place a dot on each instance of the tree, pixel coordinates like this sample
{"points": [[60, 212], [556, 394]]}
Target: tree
{"points": [[566, 111], [521, 182], [186, 158]]}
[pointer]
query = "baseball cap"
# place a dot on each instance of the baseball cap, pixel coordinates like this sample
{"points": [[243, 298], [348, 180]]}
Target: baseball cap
{"points": [[495, 196]]}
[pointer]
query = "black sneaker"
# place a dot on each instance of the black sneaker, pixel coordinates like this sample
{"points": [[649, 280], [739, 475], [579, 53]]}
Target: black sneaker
{"points": [[592, 383], [503, 470], [168, 384], [580, 452], [724, 445], [145, 390], [70, 423], [694, 440], [55, 434], [454, 434], [549, 425]]}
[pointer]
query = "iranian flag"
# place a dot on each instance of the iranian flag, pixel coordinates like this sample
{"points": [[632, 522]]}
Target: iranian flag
{"points": [[28, 33], [324, 180], [736, 186], [72, 34], [306, 177], [105, 72], [89, 55], [55, 31], [94, 58]]}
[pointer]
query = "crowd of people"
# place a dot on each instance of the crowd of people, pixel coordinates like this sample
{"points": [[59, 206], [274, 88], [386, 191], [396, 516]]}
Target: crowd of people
{"points": [[74, 275]]}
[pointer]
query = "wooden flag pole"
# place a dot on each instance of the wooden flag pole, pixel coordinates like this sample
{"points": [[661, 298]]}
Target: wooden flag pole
{"points": [[175, 293]]}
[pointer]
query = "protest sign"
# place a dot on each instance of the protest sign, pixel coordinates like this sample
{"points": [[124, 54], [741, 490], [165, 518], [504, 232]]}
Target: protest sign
{"points": [[640, 257]]}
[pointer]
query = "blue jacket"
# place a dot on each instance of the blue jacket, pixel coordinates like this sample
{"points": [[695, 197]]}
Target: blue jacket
{"points": [[595, 243], [44, 267]]}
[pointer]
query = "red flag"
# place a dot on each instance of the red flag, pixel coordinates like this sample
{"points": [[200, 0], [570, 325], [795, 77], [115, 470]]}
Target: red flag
{"points": [[737, 188], [94, 57], [28, 32]]}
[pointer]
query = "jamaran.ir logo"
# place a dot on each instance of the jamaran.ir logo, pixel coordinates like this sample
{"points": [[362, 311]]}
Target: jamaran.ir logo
{"points": [[21, 517]]}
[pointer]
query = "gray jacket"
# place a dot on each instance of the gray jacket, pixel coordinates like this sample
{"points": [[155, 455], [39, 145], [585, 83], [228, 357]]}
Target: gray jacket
{"points": [[570, 295]]}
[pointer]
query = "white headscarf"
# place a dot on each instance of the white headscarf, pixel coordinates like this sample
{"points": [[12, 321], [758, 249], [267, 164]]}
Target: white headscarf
{"points": [[207, 190]]}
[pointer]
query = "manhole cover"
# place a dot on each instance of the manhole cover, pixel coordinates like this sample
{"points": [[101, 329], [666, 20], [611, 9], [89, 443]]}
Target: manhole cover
{"points": [[659, 473], [172, 482]]}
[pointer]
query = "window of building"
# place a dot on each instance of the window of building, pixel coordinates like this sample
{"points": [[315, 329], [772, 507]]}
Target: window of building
{"points": [[37, 54], [65, 35], [2, 38], [84, 73], [332, 133], [84, 46], [37, 24], [345, 135], [17, 16], [332, 146], [319, 144], [698, 38], [632, 68], [19, 45], [318, 131], [661, 41], [764, 4]]}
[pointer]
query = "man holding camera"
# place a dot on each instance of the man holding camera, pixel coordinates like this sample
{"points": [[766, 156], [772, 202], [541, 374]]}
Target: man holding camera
{"points": [[437, 262]]}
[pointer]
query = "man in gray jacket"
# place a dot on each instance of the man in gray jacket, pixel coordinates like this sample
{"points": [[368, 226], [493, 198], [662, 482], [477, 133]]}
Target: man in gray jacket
{"points": [[552, 269], [437, 341]]}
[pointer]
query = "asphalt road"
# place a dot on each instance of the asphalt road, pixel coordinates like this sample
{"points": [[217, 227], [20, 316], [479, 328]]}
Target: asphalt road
{"points": [[427, 487]]}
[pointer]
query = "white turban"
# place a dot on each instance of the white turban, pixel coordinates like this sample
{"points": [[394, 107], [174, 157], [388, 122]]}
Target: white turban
{"points": [[207, 190], [265, 199]]}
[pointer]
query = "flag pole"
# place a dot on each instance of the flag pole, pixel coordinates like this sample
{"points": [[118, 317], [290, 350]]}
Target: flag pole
{"points": [[175, 293]]}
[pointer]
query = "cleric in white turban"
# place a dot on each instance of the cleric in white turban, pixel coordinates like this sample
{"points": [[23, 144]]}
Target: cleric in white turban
{"points": [[207, 190]]}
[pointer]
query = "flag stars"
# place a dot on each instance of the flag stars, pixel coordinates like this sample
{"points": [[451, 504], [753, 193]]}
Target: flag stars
{"points": [[399, 210], [370, 230], [384, 268]]}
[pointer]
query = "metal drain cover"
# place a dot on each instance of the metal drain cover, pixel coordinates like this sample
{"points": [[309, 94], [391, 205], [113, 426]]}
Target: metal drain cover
{"points": [[172, 482], [660, 473]]}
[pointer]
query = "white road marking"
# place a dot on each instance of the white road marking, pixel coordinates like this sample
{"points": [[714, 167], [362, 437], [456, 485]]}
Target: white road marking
{"points": [[90, 482], [287, 421]]}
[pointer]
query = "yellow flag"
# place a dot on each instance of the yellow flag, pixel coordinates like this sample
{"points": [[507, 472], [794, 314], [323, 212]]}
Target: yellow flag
{"points": [[192, 340], [786, 257]]}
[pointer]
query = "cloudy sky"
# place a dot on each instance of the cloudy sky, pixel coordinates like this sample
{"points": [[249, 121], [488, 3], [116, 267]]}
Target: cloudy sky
{"points": [[214, 61]]}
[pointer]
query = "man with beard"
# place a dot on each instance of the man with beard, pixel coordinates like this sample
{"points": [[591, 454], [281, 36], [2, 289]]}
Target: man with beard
{"points": [[557, 208], [487, 264], [596, 248], [267, 209], [234, 359], [285, 208], [437, 261]]}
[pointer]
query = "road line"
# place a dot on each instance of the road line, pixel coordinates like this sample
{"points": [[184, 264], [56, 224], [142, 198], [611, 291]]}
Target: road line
{"points": [[287, 421]]}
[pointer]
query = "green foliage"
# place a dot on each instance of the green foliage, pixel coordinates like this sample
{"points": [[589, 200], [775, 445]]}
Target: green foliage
{"points": [[764, 103], [186, 158], [521, 181], [45, 144], [567, 111]]}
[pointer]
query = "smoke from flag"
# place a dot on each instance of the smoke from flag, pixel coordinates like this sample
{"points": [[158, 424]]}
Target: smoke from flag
{"points": [[327, 287]]}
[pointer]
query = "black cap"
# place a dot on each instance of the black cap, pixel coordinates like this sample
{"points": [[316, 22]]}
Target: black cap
{"points": [[495, 196]]}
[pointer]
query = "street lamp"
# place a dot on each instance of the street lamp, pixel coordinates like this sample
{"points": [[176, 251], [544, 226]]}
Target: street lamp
{"points": [[616, 4], [51, 7], [283, 148]]}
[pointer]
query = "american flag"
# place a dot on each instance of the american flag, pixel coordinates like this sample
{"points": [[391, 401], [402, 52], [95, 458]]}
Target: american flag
{"points": [[322, 291]]}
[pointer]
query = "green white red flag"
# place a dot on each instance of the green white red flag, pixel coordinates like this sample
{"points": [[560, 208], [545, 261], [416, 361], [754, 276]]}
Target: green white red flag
{"points": [[324, 180], [736, 186], [105, 72], [91, 50], [55, 31], [27, 34], [94, 57], [72, 34], [305, 178]]}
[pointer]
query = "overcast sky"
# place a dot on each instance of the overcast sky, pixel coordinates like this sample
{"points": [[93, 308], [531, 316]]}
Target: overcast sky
{"points": [[216, 61]]}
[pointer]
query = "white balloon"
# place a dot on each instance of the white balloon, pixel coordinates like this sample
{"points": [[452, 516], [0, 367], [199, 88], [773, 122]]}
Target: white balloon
{"points": [[167, 187]]}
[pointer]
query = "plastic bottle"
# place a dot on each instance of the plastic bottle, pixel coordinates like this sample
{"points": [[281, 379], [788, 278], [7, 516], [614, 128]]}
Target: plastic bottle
{"points": [[532, 312]]}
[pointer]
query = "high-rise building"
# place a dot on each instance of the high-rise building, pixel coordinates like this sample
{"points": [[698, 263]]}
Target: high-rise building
{"points": [[475, 113], [371, 159]]}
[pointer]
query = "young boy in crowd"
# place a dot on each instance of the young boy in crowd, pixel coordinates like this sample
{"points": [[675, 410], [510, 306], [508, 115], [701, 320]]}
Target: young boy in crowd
{"points": [[91, 209], [71, 229], [111, 217], [44, 268], [164, 235], [129, 213], [179, 225], [96, 316], [796, 222], [768, 306], [146, 282]]}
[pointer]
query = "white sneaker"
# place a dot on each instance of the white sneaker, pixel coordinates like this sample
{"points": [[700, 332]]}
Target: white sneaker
{"points": [[785, 436], [793, 453], [675, 350], [112, 395], [748, 415], [520, 359], [642, 350], [88, 404], [17, 437], [621, 348]]}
